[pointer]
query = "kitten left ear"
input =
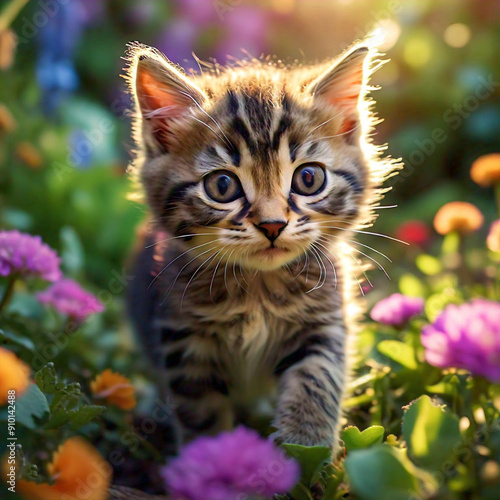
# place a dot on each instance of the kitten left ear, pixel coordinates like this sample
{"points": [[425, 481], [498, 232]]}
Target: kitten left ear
{"points": [[162, 94], [343, 86]]}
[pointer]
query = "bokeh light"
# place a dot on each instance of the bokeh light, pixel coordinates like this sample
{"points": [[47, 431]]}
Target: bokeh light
{"points": [[387, 32], [457, 35], [417, 52]]}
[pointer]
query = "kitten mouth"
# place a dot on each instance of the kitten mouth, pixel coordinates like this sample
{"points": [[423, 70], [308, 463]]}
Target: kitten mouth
{"points": [[271, 252]]}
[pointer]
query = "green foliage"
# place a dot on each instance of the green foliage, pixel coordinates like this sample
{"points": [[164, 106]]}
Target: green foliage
{"points": [[85, 214], [431, 433], [381, 472], [402, 353], [312, 459], [31, 407], [356, 440]]}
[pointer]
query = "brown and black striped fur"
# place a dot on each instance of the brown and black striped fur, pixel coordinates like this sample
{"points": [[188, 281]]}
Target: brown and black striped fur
{"points": [[241, 325]]}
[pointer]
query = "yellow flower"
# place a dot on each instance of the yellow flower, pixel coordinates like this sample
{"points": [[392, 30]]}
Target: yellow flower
{"points": [[14, 374], [485, 171], [78, 471], [115, 389], [458, 216], [493, 239]]}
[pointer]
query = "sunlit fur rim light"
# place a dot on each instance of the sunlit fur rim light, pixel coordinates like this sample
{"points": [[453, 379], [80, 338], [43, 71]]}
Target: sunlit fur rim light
{"points": [[274, 86]]}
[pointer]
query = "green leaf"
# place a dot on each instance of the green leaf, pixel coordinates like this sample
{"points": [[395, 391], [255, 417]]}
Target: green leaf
{"points": [[65, 400], [72, 254], [428, 264], [438, 301], [312, 459], [410, 285], [7, 336], [83, 415], [31, 404], [381, 473], [46, 378], [430, 432], [400, 352], [301, 492], [356, 440]]}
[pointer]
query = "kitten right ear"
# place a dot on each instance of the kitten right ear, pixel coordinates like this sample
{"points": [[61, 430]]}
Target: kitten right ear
{"points": [[162, 95]]}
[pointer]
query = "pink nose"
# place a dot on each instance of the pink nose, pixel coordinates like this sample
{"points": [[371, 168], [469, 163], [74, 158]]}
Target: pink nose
{"points": [[271, 229]]}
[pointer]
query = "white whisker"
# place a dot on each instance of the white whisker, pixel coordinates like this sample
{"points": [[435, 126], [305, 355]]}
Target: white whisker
{"points": [[359, 231], [177, 237], [196, 272], [358, 243], [178, 257], [336, 135], [182, 269], [329, 260], [215, 273], [324, 123], [225, 272]]}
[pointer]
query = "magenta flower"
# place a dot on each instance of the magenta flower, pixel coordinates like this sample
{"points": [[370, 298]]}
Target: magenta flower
{"points": [[397, 309], [67, 297], [27, 256], [230, 467], [466, 336]]}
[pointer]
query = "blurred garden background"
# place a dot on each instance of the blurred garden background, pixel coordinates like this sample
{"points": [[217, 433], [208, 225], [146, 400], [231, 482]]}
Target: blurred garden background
{"points": [[65, 144]]}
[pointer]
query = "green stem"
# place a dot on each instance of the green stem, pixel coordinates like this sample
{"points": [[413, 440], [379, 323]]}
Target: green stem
{"points": [[463, 271], [10, 12], [8, 292]]}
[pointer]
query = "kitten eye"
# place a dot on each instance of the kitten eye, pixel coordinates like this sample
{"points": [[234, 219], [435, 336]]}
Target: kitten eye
{"points": [[308, 179], [223, 186]]}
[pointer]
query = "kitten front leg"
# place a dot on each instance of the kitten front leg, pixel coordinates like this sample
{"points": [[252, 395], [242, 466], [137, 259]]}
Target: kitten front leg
{"points": [[311, 389], [197, 385]]}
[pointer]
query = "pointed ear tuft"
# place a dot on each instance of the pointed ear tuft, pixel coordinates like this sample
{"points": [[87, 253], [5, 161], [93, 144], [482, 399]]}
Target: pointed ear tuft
{"points": [[343, 86], [162, 93]]}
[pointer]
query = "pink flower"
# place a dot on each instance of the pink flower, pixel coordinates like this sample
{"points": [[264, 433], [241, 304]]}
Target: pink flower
{"points": [[466, 336], [27, 256], [67, 297], [229, 467], [397, 309]]}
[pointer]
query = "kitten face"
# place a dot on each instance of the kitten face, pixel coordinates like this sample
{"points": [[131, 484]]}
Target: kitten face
{"points": [[257, 165]]}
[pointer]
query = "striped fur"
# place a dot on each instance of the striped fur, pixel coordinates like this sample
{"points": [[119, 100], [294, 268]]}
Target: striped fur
{"points": [[237, 320]]}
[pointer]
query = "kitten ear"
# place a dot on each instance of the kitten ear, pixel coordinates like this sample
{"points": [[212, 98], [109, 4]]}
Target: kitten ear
{"points": [[162, 94], [342, 86]]}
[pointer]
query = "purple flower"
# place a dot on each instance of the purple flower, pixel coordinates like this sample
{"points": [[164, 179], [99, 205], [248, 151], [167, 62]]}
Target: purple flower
{"points": [[177, 42], [397, 309], [466, 336], [67, 297], [200, 12], [247, 27], [27, 256], [230, 467]]}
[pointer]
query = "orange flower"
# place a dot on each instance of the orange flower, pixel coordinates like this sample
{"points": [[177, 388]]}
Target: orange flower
{"points": [[29, 155], [493, 239], [14, 374], [7, 121], [115, 389], [458, 216], [8, 43], [485, 171], [78, 471]]}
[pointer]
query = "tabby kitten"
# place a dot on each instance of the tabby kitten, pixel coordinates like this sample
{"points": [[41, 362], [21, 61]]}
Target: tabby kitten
{"points": [[256, 176]]}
